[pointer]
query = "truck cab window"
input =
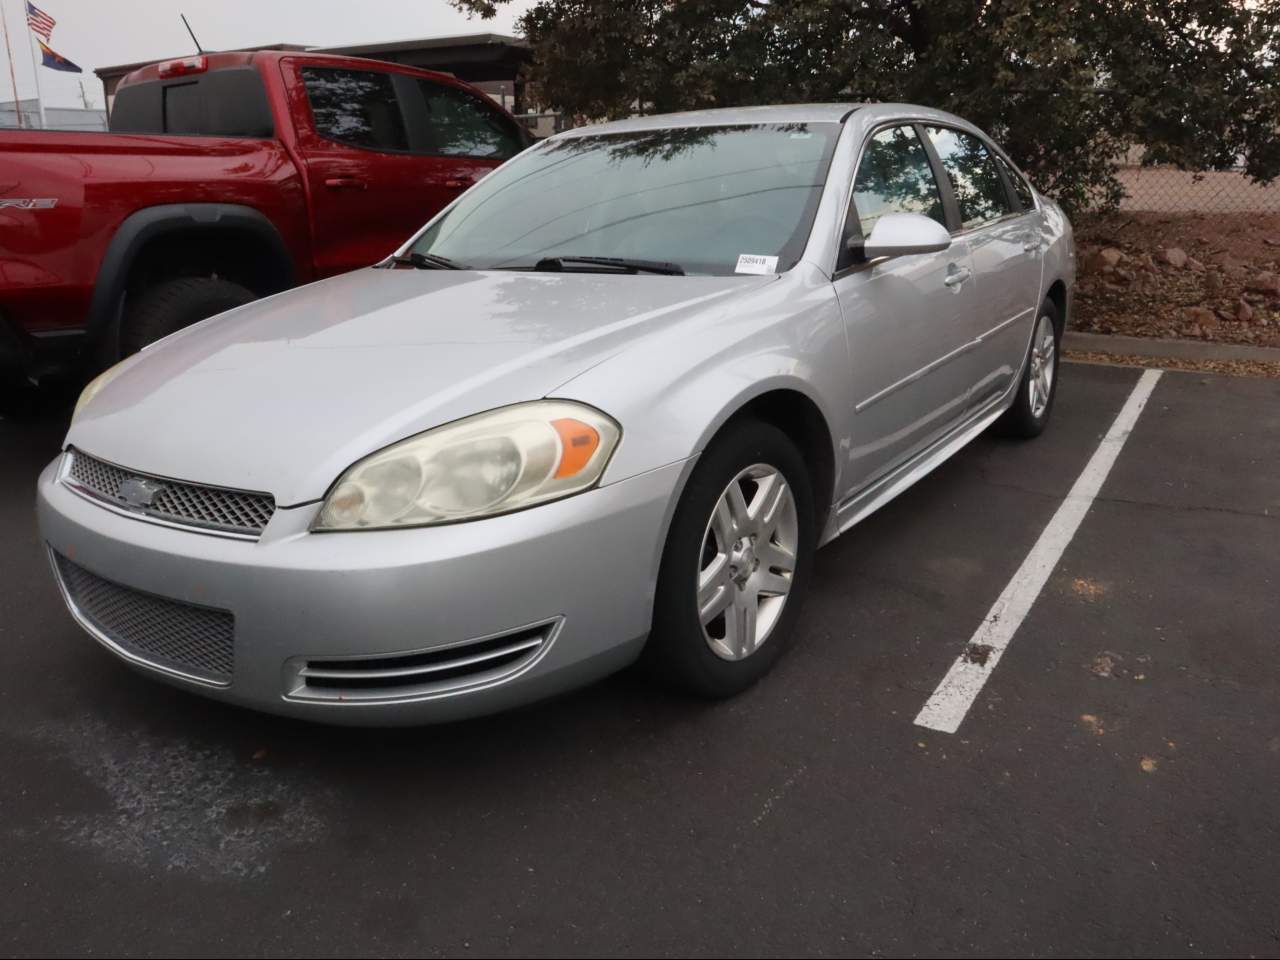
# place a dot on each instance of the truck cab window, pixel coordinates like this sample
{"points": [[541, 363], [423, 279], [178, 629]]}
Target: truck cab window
{"points": [[358, 107], [462, 125]]}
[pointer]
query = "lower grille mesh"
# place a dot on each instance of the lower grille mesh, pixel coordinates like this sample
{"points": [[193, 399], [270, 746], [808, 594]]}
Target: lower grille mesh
{"points": [[169, 633]]}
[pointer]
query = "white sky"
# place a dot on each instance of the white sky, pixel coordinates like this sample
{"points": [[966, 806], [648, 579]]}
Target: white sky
{"points": [[96, 33]]}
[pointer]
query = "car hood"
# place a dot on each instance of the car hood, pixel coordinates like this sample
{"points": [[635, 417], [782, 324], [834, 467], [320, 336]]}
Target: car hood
{"points": [[284, 394]]}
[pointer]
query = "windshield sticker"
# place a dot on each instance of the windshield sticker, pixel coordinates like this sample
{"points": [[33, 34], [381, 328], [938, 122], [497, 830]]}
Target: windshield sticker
{"points": [[754, 263]]}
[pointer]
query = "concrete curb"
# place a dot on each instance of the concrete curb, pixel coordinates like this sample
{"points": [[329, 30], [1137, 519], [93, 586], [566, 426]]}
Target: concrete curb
{"points": [[1117, 346]]}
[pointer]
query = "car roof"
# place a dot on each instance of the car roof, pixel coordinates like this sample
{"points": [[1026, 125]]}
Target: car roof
{"points": [[725, 116], [780, 113]]}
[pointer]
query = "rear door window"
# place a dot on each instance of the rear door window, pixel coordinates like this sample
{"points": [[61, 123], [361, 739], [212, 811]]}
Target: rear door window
{"points": [[1021, 189], [358, 107], [975, 180]]}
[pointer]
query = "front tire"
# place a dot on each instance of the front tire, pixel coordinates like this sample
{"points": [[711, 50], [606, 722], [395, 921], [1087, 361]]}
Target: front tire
{"points": [[1029, 414], [735, 565]]}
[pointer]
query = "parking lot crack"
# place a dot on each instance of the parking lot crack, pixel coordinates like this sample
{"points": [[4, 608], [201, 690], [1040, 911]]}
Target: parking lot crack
{"points": [[774, 796], [1190, 508], [1133, 501]]}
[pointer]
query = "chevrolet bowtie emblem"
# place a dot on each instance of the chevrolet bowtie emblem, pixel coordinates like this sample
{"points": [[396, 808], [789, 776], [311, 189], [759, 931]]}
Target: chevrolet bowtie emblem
{"points": [[139, 491]]}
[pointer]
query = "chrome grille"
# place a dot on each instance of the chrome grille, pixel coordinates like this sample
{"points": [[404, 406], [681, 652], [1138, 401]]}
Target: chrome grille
{"points": [[419, 674], [237, 512], [191, 639]]}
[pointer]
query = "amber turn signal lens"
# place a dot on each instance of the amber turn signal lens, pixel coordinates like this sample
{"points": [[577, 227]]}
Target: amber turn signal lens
{"points": [[579, 442]]}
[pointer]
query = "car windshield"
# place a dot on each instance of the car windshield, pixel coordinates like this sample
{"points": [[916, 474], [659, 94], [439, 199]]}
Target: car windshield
{"points": [[695, 197]]}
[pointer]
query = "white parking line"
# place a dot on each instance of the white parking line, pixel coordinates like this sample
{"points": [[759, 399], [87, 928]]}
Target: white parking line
{"points": [[946, 709]]}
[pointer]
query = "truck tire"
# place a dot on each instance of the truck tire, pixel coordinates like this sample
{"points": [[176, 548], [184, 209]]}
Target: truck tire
{"points": [[174, 304]]}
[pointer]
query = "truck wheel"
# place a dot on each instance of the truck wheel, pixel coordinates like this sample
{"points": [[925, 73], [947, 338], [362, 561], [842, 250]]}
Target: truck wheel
{"points": [[175, 304]]}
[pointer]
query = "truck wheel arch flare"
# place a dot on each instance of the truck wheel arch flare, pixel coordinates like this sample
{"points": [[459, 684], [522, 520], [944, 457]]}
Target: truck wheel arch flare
{"points": [[144, 226]]}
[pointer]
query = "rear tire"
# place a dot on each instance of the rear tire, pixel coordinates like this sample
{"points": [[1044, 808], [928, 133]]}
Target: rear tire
{"points": [[174, 304], [1029, 414], [735, 566]]}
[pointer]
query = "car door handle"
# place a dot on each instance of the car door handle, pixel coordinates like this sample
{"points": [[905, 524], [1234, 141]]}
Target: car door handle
{"points": [[459, 183], [344, 183], [957, 277]]}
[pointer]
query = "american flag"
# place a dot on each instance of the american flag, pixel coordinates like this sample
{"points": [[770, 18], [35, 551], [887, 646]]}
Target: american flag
{"points": [[39, 21]]}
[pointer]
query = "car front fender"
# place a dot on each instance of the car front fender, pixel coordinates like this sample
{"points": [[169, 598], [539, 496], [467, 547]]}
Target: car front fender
{"points": [[674, 391]]}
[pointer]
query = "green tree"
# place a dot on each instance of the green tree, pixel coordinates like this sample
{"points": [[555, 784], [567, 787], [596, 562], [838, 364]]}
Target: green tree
{"points": [[1066, 87]]}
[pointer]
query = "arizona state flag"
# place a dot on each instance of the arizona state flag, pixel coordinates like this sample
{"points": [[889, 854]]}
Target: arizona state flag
{"points": [[56, 61]]}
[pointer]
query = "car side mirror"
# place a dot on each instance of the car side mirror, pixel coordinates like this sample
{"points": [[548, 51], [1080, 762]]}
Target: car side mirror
{"points": [[903, 234]]}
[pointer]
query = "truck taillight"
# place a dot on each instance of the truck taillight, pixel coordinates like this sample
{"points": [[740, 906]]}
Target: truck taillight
{"points": [[184, 67]]}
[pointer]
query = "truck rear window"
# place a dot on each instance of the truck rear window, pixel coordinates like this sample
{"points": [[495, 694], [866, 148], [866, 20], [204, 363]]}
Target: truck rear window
{"points": [[224, 103]]}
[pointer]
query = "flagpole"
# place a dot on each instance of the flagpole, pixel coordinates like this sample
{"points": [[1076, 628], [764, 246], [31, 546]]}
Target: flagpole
{"points": [[36, 60], [13, 78]]}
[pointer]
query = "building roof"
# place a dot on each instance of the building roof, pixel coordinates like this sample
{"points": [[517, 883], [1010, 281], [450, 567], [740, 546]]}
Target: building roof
{"points": [[425, 43]]}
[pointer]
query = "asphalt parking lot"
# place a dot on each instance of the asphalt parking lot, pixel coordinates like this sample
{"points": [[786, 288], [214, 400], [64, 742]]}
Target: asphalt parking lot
{"points": [[1111, 791]]}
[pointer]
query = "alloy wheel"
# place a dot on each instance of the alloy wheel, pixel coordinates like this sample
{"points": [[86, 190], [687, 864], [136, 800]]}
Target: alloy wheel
{"points": [[747, 561], [1044, 347]]}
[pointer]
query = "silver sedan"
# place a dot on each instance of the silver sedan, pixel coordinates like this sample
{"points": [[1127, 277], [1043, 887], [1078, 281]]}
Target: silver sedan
{"points": [[602, 408]]}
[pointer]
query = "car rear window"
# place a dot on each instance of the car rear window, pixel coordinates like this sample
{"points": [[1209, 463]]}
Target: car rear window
{"points": [[223, 103]]}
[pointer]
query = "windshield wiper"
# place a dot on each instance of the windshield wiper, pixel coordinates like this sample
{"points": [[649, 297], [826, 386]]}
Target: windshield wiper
{"points": [[427, 261], [623, 264]]}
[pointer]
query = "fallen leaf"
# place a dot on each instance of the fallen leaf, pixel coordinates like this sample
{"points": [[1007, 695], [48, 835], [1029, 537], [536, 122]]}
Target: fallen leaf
{"points": [[1104, 664], [978, 653], [1092, 724], [1148, 764], [1089, 589]]}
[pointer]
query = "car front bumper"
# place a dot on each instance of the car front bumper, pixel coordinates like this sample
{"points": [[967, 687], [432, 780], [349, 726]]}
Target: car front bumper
{"points": [[580, 572]]}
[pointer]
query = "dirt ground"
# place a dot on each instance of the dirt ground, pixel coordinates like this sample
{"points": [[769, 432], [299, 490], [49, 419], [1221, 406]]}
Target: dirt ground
{"points": [[1230, 368], [1200, 276]]}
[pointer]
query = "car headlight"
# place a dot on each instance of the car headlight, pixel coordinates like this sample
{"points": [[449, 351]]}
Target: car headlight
{"points": [[484, 465], [93, 387]]}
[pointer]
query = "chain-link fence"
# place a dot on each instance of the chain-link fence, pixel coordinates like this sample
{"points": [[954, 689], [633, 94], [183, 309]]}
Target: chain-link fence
{"points": [[1162, 189], [1188, 255]]}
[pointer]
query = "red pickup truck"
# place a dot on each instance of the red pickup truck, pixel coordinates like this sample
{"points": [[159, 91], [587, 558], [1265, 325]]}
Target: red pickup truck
{"points": [[224, 177]]}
